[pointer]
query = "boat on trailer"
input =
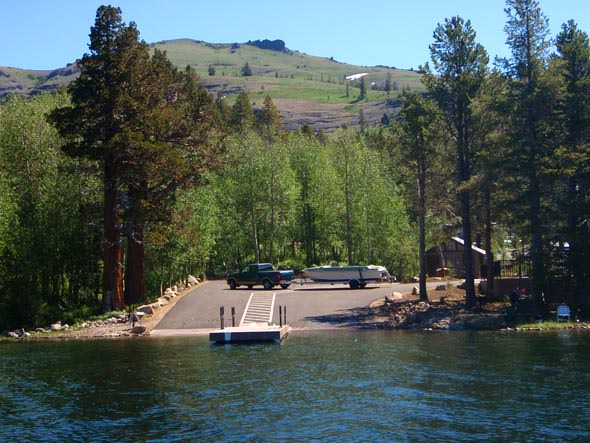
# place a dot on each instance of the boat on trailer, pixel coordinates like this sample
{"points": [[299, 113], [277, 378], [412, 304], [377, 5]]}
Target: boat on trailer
{"points": [[354, 276]]}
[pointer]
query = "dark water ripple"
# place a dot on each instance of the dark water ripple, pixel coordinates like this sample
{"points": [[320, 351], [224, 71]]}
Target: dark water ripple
{"points": [[324, 387]]}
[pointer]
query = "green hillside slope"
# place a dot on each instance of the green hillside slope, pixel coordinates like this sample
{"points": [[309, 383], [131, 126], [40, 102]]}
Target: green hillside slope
{"points": [[307, 89]]}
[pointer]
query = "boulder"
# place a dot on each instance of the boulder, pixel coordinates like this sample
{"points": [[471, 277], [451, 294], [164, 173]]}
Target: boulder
{"points": [[41, 330], [441, 288], [55, 326], [192, 280], [390, 298], [12, 334], [162, 301], [487, 322], [414, 280], [443, 323], [146, 309], [415, 291], [139, 330], [65, 327]]}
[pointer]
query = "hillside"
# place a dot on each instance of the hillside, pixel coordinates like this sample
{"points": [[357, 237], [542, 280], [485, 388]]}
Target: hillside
{"points": [[306, 89]]}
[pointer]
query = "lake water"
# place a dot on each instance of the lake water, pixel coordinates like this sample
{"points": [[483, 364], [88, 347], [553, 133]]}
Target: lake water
{"points": [[322, 386]]}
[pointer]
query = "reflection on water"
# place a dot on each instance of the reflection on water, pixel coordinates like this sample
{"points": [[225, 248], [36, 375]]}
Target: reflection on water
{"points": [[326, 386]]}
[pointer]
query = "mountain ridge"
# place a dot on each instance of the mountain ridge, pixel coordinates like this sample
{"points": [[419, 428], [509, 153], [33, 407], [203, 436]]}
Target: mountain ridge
{"points": [[307, 89]]}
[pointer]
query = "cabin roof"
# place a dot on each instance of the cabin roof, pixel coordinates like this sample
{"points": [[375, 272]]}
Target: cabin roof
{"points": [[473, 248]]}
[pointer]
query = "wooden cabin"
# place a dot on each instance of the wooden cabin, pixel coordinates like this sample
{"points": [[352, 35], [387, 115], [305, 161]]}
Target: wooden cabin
{"points": [[448, 258]]}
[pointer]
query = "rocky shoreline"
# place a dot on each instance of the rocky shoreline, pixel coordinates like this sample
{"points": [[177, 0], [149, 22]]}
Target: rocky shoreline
{"points": [[116, 325], [395, 311], [399, 312]]}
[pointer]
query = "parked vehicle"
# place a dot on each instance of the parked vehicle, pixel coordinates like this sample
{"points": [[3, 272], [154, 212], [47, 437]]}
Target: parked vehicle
{"points": [[354, 276], [260, 274]]}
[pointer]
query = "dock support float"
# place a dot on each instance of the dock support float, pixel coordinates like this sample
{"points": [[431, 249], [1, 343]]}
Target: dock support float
{"points": [[252, 333], [255, 326]]}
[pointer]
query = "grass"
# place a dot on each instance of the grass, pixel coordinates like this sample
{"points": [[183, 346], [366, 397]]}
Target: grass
{"points": [[547, 326], [291, 75]]}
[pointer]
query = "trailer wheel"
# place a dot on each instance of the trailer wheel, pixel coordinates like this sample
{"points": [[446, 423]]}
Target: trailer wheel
{"points": [[250, 286], [232, 284], [354, 284], [267, 284]]}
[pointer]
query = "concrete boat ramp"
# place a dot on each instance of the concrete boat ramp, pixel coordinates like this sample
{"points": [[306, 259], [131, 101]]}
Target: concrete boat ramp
{"points": [[255, 325]]}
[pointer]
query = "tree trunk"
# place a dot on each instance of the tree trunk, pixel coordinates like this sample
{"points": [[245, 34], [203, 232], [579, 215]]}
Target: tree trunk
{"points": [[422, 233], [134, 272], [112, 246], [272, 218], [467, 250], [488, 244], [348, 203], [255, 234], [538, 266], [118, 300], [464, 174]]}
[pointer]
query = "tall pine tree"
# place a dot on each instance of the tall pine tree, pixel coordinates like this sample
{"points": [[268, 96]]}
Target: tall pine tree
{"points": [[527, 31], [461, 66]]}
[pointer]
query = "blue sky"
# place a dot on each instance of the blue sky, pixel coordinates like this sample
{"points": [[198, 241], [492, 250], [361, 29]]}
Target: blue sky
{"points": [[47, 34]]}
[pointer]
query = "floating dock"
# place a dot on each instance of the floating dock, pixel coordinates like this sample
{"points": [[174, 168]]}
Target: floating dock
{"points": [[250, 333], [256, 325]]}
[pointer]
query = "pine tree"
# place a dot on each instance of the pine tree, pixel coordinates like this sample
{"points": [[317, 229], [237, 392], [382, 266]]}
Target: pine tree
{"points": [[527, 31], [387, 87], [461, 64], [91, 126], [421, 140], [246, 70], [362, 90], [211, 70], [151, 128], [573, 47], [242, 117], [268, 120]]}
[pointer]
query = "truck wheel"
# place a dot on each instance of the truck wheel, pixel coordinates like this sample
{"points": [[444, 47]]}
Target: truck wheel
{"points": [[285, 286], [233, 284], [267, 284], [354, 284]]}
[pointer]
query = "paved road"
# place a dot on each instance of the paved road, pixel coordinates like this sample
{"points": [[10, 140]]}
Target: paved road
{"points": [[309, 306]]}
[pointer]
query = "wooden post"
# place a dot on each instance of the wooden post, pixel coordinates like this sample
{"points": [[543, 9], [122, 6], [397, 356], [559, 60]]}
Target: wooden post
{"points": [[221, 312]]}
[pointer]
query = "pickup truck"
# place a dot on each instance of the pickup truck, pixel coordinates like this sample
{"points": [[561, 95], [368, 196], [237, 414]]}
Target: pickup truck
{"points": [[260, 274]]}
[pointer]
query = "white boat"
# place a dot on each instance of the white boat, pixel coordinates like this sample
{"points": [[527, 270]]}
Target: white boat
{"points": [[355, 276]]}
